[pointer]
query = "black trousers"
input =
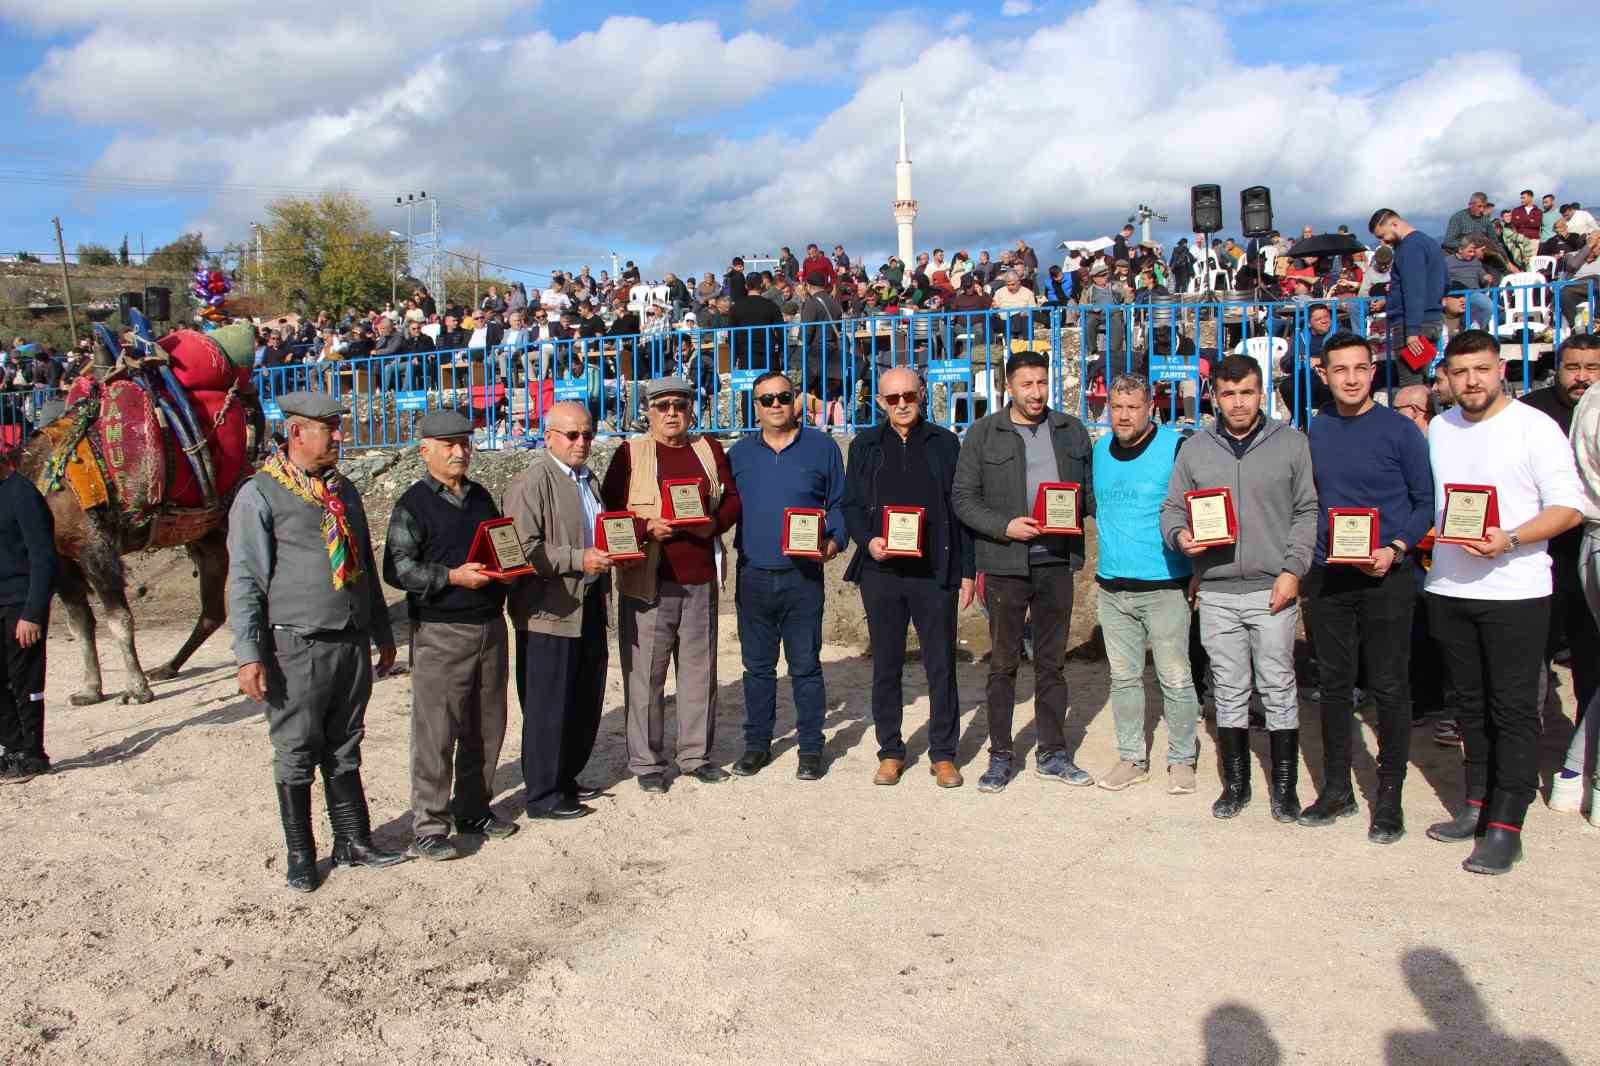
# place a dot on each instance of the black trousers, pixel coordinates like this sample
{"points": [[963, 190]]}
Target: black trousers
{"points": [[561, 684], [891, 601], [22, 689], [1572, 626], [1494, 653], [1351, 617], [1047, 593]]}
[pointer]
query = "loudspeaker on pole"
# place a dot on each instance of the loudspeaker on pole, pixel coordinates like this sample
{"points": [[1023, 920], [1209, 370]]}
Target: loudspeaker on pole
{"points": [[1255, 210], [130, 301], [158, 303], [1205, 208]]}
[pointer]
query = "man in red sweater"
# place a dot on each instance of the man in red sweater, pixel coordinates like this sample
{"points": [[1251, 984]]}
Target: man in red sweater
{"points": [[816, 270], [667, 605], [1526, 218]]}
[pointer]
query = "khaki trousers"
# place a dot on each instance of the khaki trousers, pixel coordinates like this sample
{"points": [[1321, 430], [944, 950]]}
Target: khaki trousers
{"points": [[458, 717], [683, 620]]}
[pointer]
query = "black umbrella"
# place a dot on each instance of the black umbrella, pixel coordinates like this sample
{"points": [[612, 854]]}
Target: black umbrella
{"points": [[1326, 244]]}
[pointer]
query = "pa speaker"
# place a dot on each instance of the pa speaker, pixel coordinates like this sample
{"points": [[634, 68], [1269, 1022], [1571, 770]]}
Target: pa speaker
{"points": [[1205, 208], [130, 301], [158, 303], [1255, 210]]}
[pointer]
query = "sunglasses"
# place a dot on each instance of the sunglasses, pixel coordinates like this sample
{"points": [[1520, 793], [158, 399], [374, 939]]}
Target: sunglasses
{"points": [[671, 405], [895, 399], [574, 434], [771, 398]]}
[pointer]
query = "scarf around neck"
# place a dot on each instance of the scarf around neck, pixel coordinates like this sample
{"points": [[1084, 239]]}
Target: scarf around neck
{"points": [[322, 493]]}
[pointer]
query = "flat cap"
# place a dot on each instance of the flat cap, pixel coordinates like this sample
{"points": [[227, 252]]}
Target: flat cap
{"points": [[444, 424], [317, 405], [671, 386]]}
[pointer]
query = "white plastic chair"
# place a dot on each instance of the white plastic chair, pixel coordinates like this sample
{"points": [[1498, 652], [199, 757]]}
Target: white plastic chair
{"points": [[1543, 264], [1524, 303]]}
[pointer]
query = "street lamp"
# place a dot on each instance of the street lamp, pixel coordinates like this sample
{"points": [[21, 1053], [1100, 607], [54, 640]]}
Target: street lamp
{"points": [[395, 237]]}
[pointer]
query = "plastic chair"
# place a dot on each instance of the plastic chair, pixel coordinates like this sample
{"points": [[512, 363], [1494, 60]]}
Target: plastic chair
{"points": [[1543, 264], [1524, 304]]}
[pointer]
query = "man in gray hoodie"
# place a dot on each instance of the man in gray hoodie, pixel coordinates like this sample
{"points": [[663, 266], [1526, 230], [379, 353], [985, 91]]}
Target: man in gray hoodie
{"points": [[1248, 588]]}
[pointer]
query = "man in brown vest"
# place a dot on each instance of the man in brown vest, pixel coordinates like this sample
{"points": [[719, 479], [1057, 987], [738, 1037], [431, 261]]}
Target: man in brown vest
{"points": [[668, 602]]}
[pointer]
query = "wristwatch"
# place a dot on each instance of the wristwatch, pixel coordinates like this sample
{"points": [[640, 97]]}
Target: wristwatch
{"points": [[1516, 541], [1399, 547]]}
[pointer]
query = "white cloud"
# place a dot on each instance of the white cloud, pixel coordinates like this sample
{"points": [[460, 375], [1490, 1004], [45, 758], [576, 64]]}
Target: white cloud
{"points": [[1013, 8], [614, 138]]}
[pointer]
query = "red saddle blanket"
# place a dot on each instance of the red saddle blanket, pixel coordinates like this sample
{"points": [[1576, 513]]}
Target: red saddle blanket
{"points": [[129, 440]]}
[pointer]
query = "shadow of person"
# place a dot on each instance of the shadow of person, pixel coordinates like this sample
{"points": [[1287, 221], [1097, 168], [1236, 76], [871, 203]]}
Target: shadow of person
{"points": [[1237, 1035], [1462, 1030], [143, 740]]}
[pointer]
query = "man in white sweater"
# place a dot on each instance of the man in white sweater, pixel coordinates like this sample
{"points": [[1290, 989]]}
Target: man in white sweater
{"points": [[1489, 599]]}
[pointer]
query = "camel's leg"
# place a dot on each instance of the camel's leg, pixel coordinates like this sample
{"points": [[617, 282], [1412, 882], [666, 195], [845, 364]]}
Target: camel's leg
{"points": [[210, 557], [106, 575], [74, 593]]}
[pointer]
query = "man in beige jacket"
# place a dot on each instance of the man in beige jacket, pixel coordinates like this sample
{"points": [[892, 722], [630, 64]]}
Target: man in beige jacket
{"points": [[560, 615]]}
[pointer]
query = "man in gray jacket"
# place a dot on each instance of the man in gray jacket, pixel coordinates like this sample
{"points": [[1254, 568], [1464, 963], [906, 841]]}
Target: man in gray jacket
{"points": [[1005, 458], [1248, 588]]}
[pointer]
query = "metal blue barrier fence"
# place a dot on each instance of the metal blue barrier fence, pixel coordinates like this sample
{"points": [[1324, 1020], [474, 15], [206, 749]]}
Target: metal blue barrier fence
{"points": [[1171, 340], [19, 413]]}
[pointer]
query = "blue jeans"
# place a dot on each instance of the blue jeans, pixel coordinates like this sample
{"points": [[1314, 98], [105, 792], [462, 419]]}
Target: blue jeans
{"points": [[1157, 618], [1480, 309], [774, 606]]}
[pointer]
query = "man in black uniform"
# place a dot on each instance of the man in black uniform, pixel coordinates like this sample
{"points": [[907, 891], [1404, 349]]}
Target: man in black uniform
{"points": [[306, 605], [27, 577], [458, 641]]}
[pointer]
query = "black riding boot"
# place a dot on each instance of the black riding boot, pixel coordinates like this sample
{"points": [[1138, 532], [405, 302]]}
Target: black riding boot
{"points": [[1233, 752], [294, 810], [1388, 820], [352, 825], [1501, 843], [1336, 800], [1285, 774]]}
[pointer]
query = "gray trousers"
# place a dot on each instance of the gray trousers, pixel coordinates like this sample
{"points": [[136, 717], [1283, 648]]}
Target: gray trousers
{"points": [[317, 692], [683, 620], [458, 718], [1247, 642]]}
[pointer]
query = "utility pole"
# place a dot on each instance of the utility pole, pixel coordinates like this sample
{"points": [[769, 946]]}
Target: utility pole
{"points": [[66, 285], [477, 273], [260, 285]]}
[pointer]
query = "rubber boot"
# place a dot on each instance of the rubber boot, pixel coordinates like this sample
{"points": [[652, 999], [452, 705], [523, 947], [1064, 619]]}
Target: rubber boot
{"points": [[294, 810], [1336, 800], [352, 825], [1463, 827], [1500, 847], [1388, 820], [1233, 752], [1285, 774]]}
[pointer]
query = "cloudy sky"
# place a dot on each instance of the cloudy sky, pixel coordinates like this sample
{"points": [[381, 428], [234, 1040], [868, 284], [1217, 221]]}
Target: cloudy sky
{"points": [[554, 133]]}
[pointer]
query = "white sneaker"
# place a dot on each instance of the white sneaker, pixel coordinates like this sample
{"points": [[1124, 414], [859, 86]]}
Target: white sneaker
{"points": [[1566, 793]]}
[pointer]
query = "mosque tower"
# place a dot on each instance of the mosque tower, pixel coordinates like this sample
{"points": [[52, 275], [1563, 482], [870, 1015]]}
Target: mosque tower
{"points": [[905, 208]]}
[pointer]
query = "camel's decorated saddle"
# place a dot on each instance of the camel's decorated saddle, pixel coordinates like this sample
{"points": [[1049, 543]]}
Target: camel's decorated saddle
{"points": [[165, 436]]}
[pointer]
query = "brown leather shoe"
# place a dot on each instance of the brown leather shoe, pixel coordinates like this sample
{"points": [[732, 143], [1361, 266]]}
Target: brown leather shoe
{"points": [[889, 771], [946, 774]]}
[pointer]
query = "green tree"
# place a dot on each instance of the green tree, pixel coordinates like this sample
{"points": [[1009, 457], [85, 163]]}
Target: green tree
{"points": [[326, 253], [179, 257], [95, 255], [122, 252], [27, 257]]}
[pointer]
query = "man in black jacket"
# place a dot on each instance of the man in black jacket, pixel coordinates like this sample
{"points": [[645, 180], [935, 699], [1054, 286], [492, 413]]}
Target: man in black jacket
{"points": [[909, 462], [757, 327], [27, 579]]}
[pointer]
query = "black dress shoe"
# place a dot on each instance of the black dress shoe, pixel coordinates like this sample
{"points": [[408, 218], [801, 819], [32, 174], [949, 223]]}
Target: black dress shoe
{"points": [[564, 811], [434, 848], [810, 768], [752, 762], [711, 775], [486, 825], [654, 783], [587, 792]]}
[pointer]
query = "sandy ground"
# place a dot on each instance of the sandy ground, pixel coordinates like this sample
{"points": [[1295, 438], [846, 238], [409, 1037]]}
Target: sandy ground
{"points": [[765, 919]]}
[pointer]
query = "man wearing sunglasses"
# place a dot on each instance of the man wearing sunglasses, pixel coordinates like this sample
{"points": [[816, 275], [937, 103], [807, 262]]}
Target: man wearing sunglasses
{"points": [[779, 596], [908, 461], [1005, 458], [667, 606], [559, 613]]}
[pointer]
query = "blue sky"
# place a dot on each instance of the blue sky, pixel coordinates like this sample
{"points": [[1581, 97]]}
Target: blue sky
{"points": [[558, 132]]}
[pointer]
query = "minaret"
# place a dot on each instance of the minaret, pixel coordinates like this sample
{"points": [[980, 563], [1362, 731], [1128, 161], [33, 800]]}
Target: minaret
{"points": [[905, 208]]}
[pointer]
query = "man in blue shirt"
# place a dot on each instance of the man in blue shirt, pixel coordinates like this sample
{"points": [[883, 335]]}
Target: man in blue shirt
{"points": [[1365, 455], [1143, 588], [779, 596], [1417, 282]]}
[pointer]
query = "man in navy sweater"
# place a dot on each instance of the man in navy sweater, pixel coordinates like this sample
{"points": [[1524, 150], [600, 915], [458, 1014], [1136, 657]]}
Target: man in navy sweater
{"points": [[1417, 283], [1365, 455], [27, 578]]}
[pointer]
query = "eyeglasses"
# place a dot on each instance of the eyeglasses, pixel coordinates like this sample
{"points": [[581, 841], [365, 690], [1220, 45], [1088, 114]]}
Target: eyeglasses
{"points": [[574, 434], [895, 399], [677, 406], [771, 398], [1417, 407]]}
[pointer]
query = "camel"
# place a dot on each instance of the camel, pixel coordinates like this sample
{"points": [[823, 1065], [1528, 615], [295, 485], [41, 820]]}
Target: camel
{"points": [[91, 542]]}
